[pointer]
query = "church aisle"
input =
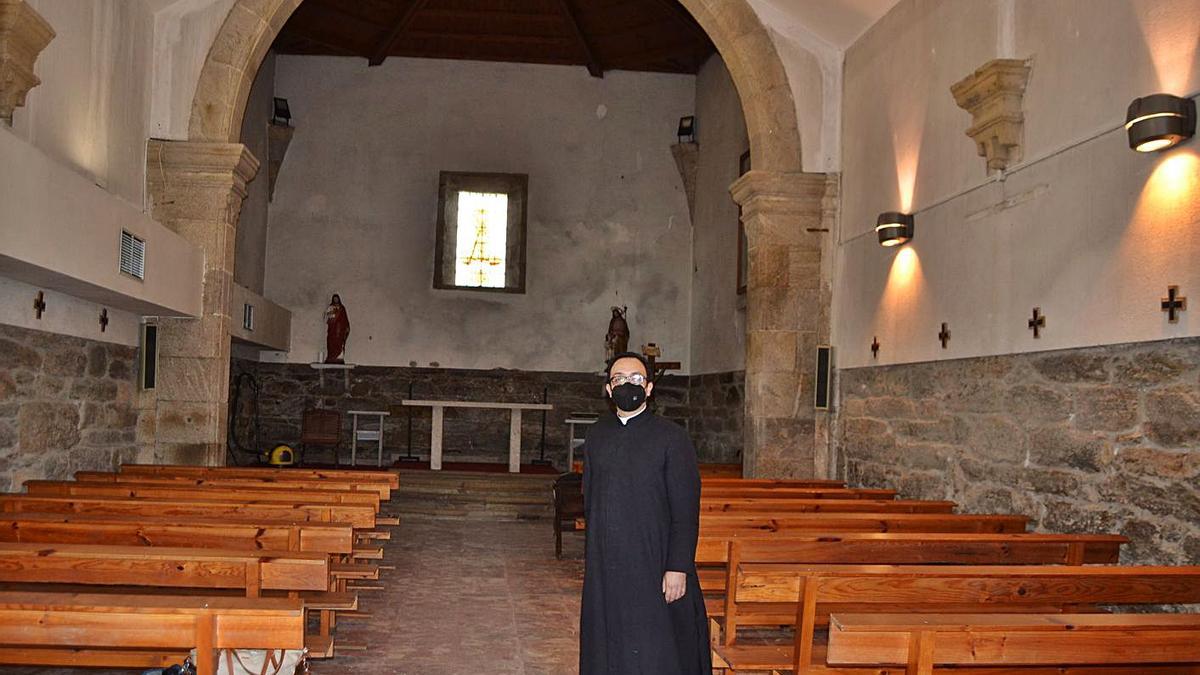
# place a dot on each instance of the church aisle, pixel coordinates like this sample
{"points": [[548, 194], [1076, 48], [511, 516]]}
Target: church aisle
{"points": [[468, 597]]}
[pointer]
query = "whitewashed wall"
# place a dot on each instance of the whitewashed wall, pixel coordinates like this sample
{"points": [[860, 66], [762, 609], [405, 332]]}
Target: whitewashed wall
{"points": [[355, 209], [1084, 228], [718, 327]]}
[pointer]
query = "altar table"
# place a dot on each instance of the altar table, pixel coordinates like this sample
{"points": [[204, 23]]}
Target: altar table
{"points": [[514, 429]]}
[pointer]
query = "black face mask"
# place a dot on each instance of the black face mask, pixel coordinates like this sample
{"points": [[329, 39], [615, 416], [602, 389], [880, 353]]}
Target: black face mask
{"points": [[628, 396]]}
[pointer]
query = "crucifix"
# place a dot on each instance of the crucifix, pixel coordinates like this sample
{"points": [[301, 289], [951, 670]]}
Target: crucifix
{"points": [[944, 335], [875, 347], [103, 319], [1038, 322], [39, 304], [1173, 304]]}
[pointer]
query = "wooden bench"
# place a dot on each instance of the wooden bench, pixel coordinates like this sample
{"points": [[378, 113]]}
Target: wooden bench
{"points": [[715, 481], [289, 483], [713, 506], [922, 641], [195, 532], [931, 588], [68, 629], [719, 560], [167, 567], [720, 492], [362, 517], [52, 488], [355, 476], [725, 524]]}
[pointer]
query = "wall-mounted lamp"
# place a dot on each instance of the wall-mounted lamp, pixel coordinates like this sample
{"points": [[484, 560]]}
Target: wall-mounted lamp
{"points": [[687, 129], [1159, 121], [894, 228], [283, 113]]}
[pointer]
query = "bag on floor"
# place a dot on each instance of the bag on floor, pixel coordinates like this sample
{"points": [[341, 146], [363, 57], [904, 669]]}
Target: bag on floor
{"points": [[261, 661]]}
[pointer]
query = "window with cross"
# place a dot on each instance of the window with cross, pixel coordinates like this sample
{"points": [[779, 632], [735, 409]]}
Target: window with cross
{"points": [[481, 232]]}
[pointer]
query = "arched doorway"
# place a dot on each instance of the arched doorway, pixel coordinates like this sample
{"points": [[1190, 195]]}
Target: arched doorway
{"points": [[786, 213]]}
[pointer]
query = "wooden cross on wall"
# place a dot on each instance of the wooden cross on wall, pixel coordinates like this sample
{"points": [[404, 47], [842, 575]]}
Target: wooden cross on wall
{"points": [[39, 304], [875, 348], [1173, 304], [103, 319], [944, 335], [1038, 322]]}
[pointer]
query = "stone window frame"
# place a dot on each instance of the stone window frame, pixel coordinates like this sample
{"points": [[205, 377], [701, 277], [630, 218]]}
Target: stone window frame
{"points": [[516, 186]]}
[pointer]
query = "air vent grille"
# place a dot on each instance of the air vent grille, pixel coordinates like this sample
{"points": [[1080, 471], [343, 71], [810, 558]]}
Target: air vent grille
{"points": [[133, 255]]}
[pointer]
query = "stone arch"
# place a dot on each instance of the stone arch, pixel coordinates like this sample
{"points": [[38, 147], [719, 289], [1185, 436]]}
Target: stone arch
{"points": [[743, 42]]}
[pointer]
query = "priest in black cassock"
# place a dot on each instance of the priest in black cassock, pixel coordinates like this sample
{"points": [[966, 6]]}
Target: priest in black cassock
{"points": [[643, 613]]}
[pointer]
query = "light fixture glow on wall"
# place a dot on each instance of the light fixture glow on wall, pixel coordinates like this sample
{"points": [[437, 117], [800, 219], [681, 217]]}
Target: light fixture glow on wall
{"points": [[894, 228], [1159, 121]]}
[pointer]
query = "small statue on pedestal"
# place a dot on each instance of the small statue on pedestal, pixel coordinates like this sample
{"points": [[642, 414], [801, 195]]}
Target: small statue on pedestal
{"points": [[617, 339], [337, 330]]}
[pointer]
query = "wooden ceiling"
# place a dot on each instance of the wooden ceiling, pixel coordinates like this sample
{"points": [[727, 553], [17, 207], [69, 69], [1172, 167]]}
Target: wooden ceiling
{"points": [[642, 35]]}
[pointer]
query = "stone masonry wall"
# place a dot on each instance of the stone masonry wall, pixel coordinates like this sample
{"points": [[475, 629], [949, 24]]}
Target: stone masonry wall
{"points": [[715, 414], [66, 405], [1103, 439], [286, 390]]}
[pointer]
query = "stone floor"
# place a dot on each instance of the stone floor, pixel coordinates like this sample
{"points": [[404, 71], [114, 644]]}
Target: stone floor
{"points": [[466, 597]]}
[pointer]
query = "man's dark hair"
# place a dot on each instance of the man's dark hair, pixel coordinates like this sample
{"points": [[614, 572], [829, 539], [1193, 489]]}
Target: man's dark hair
{"points": [[627, 355]]}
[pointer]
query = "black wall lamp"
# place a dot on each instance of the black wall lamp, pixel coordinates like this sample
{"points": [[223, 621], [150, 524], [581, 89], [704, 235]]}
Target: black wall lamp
{"points": [[1159, 121], [687, 129], [894, 228], [282, 114]]}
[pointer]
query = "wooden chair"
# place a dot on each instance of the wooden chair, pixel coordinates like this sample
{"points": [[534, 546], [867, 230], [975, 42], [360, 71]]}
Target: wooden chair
{"points": [[922, 641], [320, 428], [568, 506]]}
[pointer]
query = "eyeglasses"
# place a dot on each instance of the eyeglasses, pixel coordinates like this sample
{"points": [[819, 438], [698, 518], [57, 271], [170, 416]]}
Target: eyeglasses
{"points": [[636, 378]]}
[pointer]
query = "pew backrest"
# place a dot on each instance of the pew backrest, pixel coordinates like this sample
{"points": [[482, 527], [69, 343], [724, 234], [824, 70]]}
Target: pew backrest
{"points": [[724, 524], [734, 505], [266, 482], [358, 516], [359, 476], [52, 488]]}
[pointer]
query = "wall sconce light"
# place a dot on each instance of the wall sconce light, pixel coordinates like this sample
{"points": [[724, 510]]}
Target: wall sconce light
{"points": [[894, 228], [283, 113], [1159, 121], [687, 129]]}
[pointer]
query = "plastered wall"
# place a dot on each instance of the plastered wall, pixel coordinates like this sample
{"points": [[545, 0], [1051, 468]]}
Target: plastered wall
{"points": [[1084, 228], [718, 328], [356, 205], [251, 251]]}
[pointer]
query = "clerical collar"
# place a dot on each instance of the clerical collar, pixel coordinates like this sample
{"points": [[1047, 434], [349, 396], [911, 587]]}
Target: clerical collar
{"points": [[625, 420]]}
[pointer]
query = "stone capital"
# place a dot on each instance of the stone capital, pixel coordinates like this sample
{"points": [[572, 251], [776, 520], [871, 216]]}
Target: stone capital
{"points": [[993, 95], [781, 208], [190, 181], [23, 36]]}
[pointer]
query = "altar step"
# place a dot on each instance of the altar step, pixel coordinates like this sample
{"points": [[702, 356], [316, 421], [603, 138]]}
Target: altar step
{"points": [[465, 495]]}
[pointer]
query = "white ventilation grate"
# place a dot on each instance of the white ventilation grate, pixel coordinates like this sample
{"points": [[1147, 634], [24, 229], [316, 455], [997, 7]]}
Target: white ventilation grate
{"points": [[133, 255]]}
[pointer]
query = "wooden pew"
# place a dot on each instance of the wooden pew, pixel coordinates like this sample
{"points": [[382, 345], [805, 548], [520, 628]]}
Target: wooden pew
{"points": [[358, 516], [794, 493], [922, 641], [720, 481], [194, 532], [70, 629], [719, 559], [167, 567], [53, 488], [356, 476], [725, 524], [926, 588], [289, 483], [713, 506]]}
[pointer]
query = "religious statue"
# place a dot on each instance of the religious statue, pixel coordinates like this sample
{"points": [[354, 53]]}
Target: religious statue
{"points": [[617, 339], [337, 329]]}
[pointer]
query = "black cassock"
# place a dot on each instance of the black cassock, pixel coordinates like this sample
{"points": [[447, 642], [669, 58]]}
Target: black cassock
{"points": [[641, 492]]}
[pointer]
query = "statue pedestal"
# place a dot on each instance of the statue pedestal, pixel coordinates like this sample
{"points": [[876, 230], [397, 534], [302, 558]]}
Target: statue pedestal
{"points": [[345, 369]]}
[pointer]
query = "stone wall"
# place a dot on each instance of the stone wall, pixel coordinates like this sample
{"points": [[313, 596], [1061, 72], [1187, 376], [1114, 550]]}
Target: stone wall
{"points": [[286, 390], [66, 404], [1103, 439]]}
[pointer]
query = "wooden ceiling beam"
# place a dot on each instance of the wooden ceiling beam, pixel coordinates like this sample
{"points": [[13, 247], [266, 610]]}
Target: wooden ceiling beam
{"points": [[594, 66], [684, 18], [389, 41], [335, 41]]}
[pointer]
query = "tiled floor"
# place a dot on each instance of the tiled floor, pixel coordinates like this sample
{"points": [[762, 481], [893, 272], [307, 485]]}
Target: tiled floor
{"points": [[469, 597], [466, 598]]}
